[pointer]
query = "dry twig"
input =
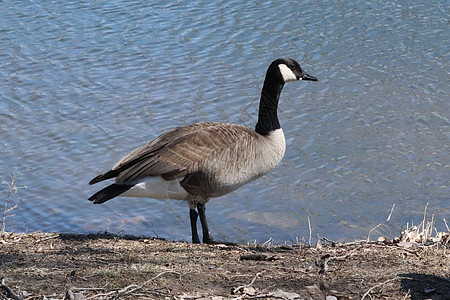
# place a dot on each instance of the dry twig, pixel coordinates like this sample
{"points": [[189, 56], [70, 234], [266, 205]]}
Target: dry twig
{"points": [[446, 225], [8, 290], [394, 247], [12, 189], [310, 228], [324, 266], [382, 223], [236, 290], [46, 238], [378, 285], [132, 287]]}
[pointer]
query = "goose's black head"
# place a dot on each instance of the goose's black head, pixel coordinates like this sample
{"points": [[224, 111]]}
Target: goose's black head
{"points": [[287, 69], [280, 71]]}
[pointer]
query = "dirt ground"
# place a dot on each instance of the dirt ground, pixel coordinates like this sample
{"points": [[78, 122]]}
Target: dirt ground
{"points": [[104, 266]]}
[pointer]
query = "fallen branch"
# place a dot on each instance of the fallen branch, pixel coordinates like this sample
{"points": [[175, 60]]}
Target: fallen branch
{"points": [[378, 285], [9, 291]]}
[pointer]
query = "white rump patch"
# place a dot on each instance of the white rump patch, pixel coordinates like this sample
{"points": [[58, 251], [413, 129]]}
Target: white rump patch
{"points": [[158, 188], [287, 73]]}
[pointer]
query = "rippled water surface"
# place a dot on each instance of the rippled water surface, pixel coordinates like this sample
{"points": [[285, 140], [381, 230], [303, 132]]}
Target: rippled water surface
{"points": [[85, 82]]}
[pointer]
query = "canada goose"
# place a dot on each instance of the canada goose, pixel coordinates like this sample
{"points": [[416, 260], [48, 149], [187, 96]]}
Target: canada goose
{"points": [[205, 160]]}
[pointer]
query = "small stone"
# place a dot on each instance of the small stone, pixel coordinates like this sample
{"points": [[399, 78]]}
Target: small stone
{"points": [[331, 298], [382, 239]]}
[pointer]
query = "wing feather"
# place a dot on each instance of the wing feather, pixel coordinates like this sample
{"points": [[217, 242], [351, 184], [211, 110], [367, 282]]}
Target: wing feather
{"points": [[178, 152]]}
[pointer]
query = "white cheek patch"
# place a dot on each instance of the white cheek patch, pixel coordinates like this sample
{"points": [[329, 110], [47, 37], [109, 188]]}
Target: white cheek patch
{"points": [[287, 73]]}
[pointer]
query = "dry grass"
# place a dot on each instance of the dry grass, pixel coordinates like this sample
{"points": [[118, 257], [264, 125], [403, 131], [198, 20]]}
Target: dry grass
{"points": [[425, 232], [12, 189], [46, 266]]}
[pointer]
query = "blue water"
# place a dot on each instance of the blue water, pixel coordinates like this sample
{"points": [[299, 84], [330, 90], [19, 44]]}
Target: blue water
{"points": [[85, 82]]}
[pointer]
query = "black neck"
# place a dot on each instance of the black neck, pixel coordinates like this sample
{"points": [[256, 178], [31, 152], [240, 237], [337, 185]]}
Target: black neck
{"points": [[268, 106]]}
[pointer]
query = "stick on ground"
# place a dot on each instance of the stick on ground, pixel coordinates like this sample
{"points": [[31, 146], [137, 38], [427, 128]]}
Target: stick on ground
{"points": [[236, 290], [9, 291], [132, 287], [378, 285]]}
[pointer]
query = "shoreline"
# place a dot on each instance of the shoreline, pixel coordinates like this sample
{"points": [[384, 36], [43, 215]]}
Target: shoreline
{"points": [[106, 266]]}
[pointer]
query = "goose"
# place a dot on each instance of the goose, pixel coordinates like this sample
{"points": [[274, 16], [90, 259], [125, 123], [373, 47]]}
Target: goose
{"points": [[201, 161]]}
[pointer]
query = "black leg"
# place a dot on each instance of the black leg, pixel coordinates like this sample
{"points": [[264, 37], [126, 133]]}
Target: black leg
{"points": [[207, 238], [193, 215]]}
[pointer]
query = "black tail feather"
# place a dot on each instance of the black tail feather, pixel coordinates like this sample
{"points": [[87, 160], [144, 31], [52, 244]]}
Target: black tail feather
{"points": [[109, 192], [108, 175]]}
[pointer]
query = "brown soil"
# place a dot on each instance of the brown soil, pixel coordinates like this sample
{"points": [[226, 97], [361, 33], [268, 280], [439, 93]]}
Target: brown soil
{"points": [[46, 266]]}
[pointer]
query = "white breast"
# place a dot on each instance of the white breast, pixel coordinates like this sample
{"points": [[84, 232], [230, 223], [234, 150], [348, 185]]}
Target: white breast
{"points": [[278, 142]]}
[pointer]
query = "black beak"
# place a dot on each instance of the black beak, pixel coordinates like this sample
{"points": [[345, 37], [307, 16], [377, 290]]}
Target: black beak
{"points": [[308, 77]]}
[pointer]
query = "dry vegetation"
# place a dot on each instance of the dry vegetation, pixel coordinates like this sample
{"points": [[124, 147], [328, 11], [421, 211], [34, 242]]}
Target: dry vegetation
{"points": [[66, 266], [12, 189]]}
